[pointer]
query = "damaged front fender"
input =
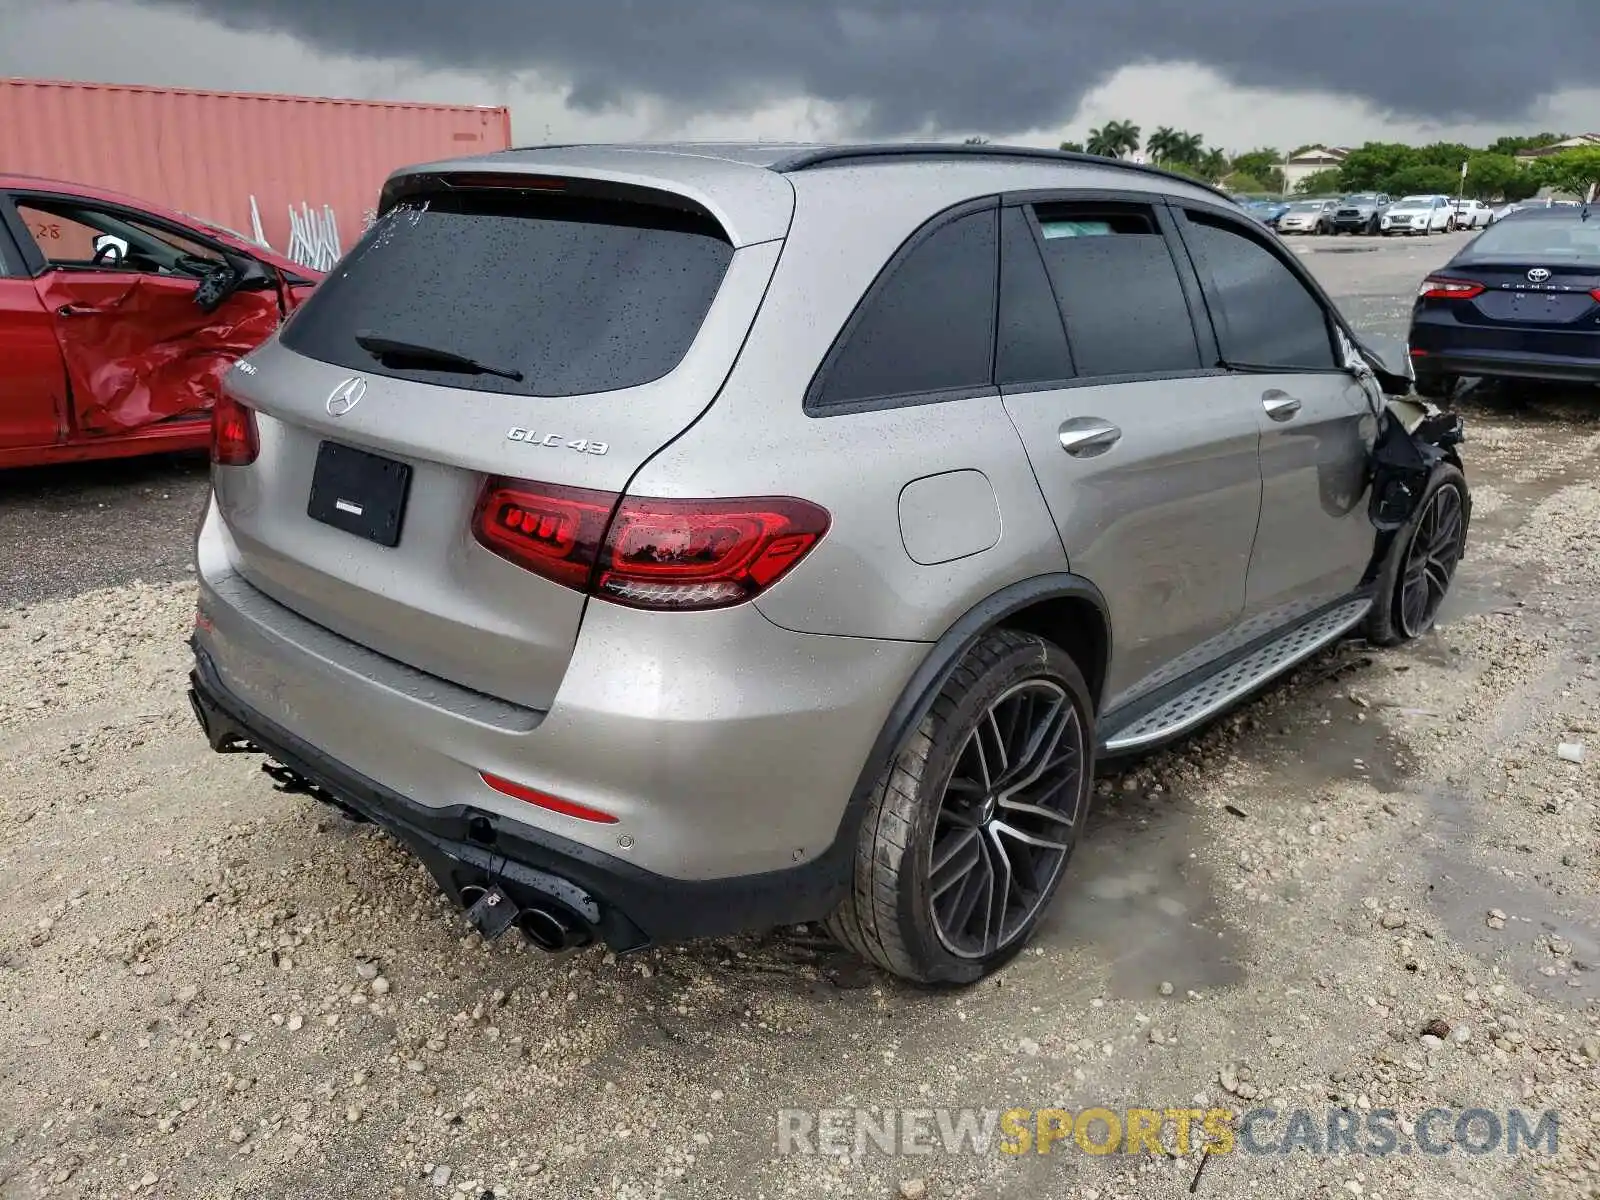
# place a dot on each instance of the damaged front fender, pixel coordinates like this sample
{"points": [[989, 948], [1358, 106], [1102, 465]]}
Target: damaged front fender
{"points": [[1413, 438]]}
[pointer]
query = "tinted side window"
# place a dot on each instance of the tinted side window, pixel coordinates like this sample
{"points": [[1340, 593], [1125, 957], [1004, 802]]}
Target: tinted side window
{"points": [[930, 326], [1265, 317], [1031, 346], [1118, 289]]}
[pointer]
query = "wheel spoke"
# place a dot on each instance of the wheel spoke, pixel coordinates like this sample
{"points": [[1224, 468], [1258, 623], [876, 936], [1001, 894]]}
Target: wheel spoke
{"points": [[975, 887], [1041, 747], [1052, 815], [954, 859], [999, 745], [1002, 829], [999, 894], [976, 743]]}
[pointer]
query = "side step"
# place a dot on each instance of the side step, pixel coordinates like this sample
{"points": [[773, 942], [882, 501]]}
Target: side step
{"points": [[1221, 688]]}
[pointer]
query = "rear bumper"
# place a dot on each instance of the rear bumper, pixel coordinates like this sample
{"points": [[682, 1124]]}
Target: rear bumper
{"points": [[467, 848], [1499, 365]]}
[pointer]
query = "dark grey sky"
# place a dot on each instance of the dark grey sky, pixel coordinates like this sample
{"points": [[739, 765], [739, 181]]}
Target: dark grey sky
{"points": [[938, 65]]}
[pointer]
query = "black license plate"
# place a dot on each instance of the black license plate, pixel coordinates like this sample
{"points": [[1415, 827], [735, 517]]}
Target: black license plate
{"points": [[360, 493]]}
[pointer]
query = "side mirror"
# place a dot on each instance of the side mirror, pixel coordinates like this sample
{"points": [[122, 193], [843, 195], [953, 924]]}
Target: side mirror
{"points": [[1390, 360], [242, 273]]}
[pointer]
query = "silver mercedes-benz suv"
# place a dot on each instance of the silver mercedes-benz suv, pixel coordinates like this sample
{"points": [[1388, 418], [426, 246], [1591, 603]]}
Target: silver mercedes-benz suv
{"points": [[668, 541]]}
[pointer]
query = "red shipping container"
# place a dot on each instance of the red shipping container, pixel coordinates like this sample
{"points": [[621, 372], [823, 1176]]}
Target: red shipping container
{"points": [[208, 153]]}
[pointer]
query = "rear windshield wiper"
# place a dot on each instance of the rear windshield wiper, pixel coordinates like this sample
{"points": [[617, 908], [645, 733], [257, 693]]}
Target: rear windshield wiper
{"points": [[430, 357]]}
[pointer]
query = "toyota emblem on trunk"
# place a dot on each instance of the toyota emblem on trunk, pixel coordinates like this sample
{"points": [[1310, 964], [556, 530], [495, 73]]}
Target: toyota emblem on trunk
{"points": [[1538, 275], [346, 396]]}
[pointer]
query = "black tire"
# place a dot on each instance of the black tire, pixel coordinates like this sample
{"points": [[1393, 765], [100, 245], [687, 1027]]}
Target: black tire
{"points": [[1430, 539], [892, 915], [1372, 227]]}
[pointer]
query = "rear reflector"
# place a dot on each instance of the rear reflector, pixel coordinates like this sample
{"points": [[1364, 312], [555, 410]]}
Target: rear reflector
{"points": [[566, 808], [648, 553], [234, 439], [1449, 289]]}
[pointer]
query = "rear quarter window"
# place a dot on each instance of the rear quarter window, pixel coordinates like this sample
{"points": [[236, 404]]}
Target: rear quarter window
{"points": [[578, 295]]}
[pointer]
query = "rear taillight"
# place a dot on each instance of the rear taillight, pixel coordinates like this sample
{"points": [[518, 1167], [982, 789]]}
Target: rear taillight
{"points": [[653, 553], [552, 531], [1449, 289], [234, 440], [1595, 293]]}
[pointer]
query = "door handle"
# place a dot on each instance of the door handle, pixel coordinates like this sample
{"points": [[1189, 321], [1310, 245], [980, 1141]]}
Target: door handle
{"points": [[1280, 406], [1085, 437], [77, 310]]}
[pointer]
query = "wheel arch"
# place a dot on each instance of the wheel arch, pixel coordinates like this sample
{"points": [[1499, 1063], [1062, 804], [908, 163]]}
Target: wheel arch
{"points": [[1064, 608]]}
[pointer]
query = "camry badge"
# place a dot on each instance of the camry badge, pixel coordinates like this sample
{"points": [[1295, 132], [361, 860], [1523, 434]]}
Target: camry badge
{"points": [[346, 396]]}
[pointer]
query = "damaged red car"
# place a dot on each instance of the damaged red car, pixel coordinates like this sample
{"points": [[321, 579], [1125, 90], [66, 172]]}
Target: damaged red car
{"points": [[118, 318]]}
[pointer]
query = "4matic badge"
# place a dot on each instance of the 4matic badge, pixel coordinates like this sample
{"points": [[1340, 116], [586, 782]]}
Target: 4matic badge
{"points": [[582, 445]]}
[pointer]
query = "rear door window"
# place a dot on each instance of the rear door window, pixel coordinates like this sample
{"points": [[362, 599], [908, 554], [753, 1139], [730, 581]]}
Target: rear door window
{"points": [[925, 327], [558, 295], [1118, 289], [1264, 315]]}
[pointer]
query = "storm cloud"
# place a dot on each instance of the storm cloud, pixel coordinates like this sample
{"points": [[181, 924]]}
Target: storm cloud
{"points": [[898, 67]]}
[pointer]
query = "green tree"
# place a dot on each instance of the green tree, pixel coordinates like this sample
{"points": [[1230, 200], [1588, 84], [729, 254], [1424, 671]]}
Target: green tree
{"points": [[1072, 147], [1257, 163], [1495, 176], [1422, 179], [1213, 164], [976, 141], [1246, 185], [1321, 183], [1372, 167], [1514, 145], [1573, 171], [1161, 143], [1114, 138]]}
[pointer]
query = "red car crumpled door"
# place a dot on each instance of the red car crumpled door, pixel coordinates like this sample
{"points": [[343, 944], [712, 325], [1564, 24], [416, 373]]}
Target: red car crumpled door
{"points": [[139, 350]]}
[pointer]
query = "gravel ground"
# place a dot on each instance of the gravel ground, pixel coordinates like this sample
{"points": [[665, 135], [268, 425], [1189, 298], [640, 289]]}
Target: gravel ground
{"points": [[210, 989]]}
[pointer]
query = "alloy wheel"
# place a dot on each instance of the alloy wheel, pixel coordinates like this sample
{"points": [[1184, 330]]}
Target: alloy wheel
{"points": [[1007, 819], [1431, 560]]}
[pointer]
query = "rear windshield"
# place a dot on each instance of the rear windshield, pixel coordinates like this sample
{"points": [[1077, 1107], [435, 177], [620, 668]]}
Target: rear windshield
{"points": [[1569, 238], [573, 295]]}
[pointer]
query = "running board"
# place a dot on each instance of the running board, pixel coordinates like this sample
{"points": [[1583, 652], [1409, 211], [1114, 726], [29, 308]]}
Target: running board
{"points": [[1238, 679]]}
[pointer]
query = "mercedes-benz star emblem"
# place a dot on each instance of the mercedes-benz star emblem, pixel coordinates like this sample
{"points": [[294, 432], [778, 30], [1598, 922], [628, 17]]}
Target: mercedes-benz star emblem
{"points": [[346, 396], [1538, 275]]}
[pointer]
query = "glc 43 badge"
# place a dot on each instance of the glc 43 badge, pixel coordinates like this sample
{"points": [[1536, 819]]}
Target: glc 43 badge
{"points": [[532, 438]]}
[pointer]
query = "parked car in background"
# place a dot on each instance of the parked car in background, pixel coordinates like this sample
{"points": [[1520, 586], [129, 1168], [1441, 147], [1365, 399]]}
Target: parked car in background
{"points": [[673, 602], [1308, 216], [1417, 215], [1265, 211], [1520, 301], [118, 318], [1360, 213], [1471, 214]]}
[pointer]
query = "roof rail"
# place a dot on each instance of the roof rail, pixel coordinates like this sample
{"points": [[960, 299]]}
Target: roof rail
{"points": [[825, 155]]}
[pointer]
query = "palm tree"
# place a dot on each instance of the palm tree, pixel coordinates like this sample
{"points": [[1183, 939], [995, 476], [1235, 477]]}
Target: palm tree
{"points": [[1214, 164], [1187, 148], [1162, 142], [1114, 138], [1102, 143]]}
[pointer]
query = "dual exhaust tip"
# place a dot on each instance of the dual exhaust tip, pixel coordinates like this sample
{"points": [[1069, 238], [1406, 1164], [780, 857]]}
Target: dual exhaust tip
{"points": [[548, 927]]}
